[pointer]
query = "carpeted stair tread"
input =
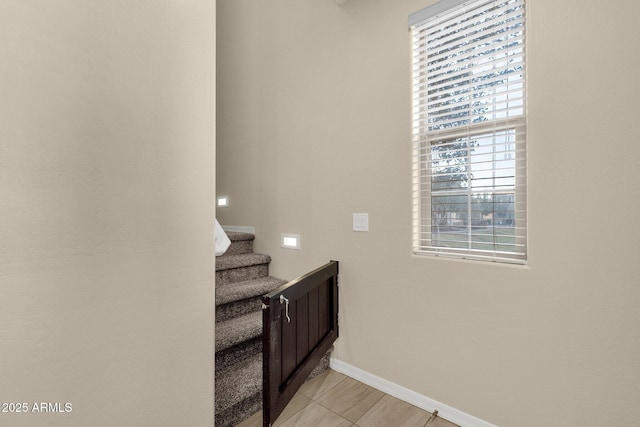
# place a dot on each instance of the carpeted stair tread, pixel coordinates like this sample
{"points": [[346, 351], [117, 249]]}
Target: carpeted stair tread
{"points": [[237, 330], [231, 292], [228, 262], [241, 243], [234, 385]]}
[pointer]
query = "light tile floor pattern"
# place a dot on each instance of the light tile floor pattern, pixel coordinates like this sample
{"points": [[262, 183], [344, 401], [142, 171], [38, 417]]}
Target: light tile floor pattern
{"points": [[333, 399]]}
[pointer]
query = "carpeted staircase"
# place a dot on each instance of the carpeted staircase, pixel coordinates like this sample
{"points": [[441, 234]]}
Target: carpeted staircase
{"points": [[242, 277]]}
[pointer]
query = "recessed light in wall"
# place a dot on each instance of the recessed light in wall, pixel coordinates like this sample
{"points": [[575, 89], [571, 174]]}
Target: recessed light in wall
{"points": [[223, 201], [290, 241]]}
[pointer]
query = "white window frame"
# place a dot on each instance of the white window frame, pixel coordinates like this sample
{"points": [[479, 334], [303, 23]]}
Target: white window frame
{"points": [[467, 237]]}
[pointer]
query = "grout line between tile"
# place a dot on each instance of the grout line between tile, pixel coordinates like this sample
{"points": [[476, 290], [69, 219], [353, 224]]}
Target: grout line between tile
{"points": [[331, 410], [279, 422], [327, 390], [353, 424], [372, 406]]}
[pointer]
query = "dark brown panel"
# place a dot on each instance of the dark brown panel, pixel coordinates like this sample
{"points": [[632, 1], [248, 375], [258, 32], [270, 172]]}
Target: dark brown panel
{"points": [[302, 328], [323, 314], [289, 361], [313, 317]]}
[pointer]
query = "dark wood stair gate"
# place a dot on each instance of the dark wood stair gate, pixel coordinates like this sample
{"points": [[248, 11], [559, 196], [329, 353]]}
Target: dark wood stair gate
{"points": [[300, 324]]}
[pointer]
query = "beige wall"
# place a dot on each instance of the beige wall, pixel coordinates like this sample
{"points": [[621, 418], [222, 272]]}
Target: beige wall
{"points": [[106, 207], [314, 125]]}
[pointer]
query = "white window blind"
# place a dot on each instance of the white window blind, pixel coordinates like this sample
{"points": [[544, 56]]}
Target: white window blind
{"points": [[469, 130]]}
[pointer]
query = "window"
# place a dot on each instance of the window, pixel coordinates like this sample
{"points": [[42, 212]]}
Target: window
{"points": [[469, 119]]}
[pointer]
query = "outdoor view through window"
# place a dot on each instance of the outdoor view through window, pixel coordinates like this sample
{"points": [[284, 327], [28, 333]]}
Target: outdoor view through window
{"points": [[469, 130]]}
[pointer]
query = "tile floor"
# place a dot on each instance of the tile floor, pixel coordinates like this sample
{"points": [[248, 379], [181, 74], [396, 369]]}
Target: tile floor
{"points": [[336, 400]]}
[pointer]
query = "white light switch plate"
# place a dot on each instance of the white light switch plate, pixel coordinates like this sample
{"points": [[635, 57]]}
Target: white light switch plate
{"points": [[360, 222]]}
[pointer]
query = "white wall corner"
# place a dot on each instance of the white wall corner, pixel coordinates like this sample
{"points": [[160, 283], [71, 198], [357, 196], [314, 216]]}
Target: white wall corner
{"points": [[423, 402]]}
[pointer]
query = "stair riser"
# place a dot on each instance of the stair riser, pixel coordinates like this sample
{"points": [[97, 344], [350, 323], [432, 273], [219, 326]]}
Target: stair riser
{"points": [[241, 274], [240, 411], [239, 247], [225, 359], [237, 308]]}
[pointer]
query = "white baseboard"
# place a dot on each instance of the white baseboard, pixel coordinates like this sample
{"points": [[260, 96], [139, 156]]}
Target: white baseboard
{"points": [[240, 228], [423, 402]]}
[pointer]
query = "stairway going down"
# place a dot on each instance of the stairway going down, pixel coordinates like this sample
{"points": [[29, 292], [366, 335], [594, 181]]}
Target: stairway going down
{"points": [[242, 277]]}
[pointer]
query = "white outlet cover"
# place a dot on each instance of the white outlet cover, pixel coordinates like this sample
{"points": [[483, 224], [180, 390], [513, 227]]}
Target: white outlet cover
{"points": [[360, 222]]}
